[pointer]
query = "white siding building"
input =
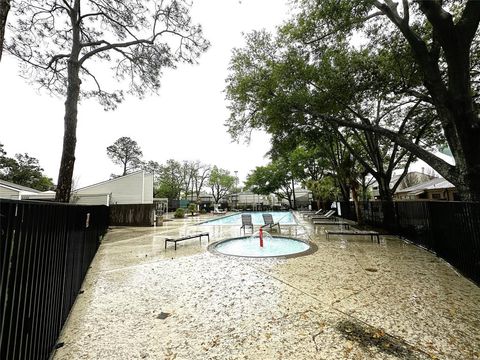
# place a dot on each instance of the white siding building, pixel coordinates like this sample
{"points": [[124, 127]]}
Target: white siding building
{"points": [[134, 188], [13, 191]]}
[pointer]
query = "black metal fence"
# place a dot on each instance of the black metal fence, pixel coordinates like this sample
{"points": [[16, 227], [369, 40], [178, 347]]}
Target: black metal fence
{"points": [[450, 229], [45, 252]]}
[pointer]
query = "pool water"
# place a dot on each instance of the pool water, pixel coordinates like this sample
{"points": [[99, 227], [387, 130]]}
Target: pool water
{"points": [[284, 217], [272, 246]]}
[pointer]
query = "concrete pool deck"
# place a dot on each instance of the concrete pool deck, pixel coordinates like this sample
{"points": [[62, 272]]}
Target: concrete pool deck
{"points": [[352, 299]]}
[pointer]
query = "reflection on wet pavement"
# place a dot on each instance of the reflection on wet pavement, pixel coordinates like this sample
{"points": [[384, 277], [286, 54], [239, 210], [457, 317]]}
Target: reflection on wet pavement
{"points": [[352, 299]]}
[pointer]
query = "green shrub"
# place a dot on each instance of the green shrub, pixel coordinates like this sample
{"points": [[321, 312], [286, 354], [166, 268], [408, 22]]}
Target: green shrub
{"points": [[179, 213], [192, 208]]}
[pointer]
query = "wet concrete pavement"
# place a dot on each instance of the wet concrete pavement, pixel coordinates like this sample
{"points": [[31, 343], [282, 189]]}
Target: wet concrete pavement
{"points": [[352, 299]]}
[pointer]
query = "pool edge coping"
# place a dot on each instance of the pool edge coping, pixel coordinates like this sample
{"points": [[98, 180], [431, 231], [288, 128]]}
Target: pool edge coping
{"points": [[311, 250], [206, 222]]}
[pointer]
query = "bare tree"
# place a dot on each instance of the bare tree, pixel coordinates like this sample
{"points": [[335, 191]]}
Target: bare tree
{"points": [[202, 174], [56, 40], [187, 175]]}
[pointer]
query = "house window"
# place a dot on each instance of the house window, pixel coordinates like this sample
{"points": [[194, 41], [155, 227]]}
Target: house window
{"points": [[436, 196]]}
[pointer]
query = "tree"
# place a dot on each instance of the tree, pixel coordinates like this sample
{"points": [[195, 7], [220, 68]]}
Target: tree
{"points": [[220, 182], [274, 178], [154, 168], [285, 91], [4, 9], [306, 163], [287, 72], [188, 173], [23, 170], [6, 163], [170, 181], [57, 40], [202, 173], [125, 152], [348, 170], [324, 190], [443, 39]]}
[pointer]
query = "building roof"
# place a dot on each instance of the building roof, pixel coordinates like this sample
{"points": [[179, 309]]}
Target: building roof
{"points": [[112, 180], [436, 183], [395, 178], [18, 188]]}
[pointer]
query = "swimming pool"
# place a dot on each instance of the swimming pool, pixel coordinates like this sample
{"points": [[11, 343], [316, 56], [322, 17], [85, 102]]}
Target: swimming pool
{"points": [[283, 217]]}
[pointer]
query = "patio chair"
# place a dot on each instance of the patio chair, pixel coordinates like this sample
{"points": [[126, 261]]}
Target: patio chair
{"points": [[268, 220], [246, 222]]}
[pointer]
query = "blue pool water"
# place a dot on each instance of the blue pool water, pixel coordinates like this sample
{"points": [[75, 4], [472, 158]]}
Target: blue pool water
{"points": [[284, 217], [272, 246]]}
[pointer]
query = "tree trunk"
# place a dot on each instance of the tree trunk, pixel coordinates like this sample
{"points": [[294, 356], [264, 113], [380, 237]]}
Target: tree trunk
{"points": [[358, 209], [293, 195], [4, 9], [364, 190], [65, 174], [288, 197], [344, 191], [453, 99], [67, 163], [466, 150], [387, 203]]}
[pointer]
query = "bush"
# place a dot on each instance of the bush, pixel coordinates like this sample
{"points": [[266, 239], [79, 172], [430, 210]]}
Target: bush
{"points": [[179, 213], [192, 207]]}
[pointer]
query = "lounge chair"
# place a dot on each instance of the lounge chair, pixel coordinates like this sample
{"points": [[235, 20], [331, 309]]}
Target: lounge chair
{"points": [[246, 222], [219, 212], [327, 215], [268, 220], [313, 213]]}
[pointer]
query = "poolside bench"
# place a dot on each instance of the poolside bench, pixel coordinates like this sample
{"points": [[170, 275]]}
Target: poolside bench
{"points": [[353, 232], [187, 237], [343, 224]]}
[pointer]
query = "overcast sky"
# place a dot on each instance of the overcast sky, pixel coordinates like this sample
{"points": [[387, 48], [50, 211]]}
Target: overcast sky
{"points": [[184, 122]]}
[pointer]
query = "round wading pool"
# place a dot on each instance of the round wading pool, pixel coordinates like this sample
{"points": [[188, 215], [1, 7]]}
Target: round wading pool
{"points": [[273, 246]]}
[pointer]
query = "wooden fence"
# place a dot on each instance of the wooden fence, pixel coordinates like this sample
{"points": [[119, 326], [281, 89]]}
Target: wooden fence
{"points": [[132, 215]]}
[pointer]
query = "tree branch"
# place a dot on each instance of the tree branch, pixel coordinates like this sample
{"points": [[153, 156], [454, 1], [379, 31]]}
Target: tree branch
{"points": [[355, 154], [430, 68], [109, 46], [441, 166], [406, 12], [340, 28], [56, 58], [470, 19], [93, 77]]}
